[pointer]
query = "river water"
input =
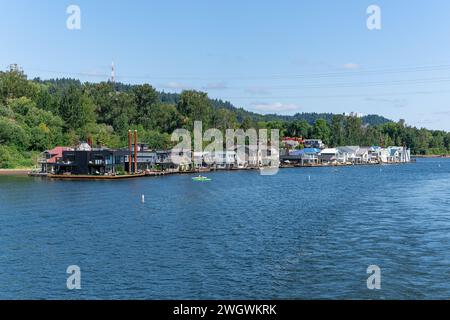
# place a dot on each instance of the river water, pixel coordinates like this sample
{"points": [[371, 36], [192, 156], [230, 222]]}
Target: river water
{"points": [[304, 233]]}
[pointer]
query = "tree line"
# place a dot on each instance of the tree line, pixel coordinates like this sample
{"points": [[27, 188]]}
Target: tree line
{"points": [[36, 115]]}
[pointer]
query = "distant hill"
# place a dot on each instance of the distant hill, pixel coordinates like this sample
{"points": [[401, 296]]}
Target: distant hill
{"points": [[241, 113], [310, 117]]}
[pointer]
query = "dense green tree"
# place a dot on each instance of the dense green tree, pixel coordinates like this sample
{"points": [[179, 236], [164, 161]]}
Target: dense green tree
{"points": [[123, 112], [166, 118], [353, 130], [338, 134], [11, 133], [145, 99], [447, 141], [248, 123], [321, 130], [103, 96], [423, 140], [372, 136], [195, 106], [76, 109], [299, 128], [224, 119], [14, 84]]}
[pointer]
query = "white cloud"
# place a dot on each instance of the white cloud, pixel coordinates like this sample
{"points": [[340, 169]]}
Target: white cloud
{"points": [[276, 107], [351, 66]]}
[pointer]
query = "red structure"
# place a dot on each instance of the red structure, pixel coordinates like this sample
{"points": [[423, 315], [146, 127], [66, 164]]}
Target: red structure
{"points": [[299, 140], [130, 152]]}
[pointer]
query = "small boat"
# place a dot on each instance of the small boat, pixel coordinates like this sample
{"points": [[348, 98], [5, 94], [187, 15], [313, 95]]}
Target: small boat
{"points": [[201, 179]]}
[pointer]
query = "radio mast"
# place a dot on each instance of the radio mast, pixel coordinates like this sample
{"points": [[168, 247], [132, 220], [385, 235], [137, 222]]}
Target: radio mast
{"points": [[113, 73]]}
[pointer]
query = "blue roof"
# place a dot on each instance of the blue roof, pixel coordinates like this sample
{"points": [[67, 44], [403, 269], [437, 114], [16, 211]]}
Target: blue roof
{"points": [[296, 153], [311, 150], [304, 151]]}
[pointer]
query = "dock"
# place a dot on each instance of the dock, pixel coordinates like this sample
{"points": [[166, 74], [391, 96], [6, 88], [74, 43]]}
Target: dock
{"points": [[94, 177]]}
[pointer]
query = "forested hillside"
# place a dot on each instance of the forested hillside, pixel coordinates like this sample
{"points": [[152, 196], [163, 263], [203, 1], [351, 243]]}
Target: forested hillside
{"points": [[36, 115]]}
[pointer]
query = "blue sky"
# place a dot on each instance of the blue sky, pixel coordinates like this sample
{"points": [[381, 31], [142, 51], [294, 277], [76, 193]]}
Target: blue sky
{"points": [[265, 56]]}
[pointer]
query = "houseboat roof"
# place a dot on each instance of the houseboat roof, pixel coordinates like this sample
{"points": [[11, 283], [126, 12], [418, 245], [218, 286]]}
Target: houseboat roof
{"points": [[329, 151], [348, 149], [363, 150], [304, 151], [56, 153]]}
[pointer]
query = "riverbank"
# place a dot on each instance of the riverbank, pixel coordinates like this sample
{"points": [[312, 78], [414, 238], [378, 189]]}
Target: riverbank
{"points": [[14, 172], [432, 156]]}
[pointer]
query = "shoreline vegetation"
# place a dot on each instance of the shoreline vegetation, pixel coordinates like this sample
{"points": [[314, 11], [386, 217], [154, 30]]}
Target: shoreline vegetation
{"points": [[37, 115], [432, 156]]}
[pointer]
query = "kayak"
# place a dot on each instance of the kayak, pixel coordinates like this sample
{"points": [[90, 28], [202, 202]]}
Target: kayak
{"points": [[201, 179]]}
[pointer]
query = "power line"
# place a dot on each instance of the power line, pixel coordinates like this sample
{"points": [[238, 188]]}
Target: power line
{"points": [[339, 74], [364, 95], [310, 85], [354, 84]]}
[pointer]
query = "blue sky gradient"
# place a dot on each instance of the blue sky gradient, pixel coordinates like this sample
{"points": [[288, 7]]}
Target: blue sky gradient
{"points": [[265, 56]]}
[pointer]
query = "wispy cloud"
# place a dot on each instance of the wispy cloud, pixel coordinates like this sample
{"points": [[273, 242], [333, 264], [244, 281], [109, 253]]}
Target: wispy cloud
{"points": [[351, 66], [258, 91], [175, 85], [442, 113], [94, 73], [216, 86], [425, 122], [275, 107], [397, 103]]}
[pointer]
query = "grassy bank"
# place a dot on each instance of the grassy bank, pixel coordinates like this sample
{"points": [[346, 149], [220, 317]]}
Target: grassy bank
{"points": [[12, 158]]}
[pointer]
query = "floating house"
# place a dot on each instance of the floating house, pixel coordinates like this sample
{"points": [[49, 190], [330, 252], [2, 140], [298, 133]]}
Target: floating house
{"points": [[306, 156], [85, 160], [348, 154], [165, 162], [140, 160], [146, 158], [399, 155], [314, 143], [379, 155], [329, 156], [223, 159], [362, 155], [49, 158]]}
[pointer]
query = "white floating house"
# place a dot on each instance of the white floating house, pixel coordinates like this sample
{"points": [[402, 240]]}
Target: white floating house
{"points": [[348, 153], [330, 156], [364, 155]]}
